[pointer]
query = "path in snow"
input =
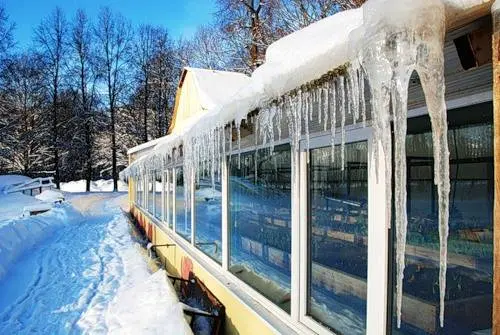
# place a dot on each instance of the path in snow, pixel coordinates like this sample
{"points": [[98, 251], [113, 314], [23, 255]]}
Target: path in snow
{"points": [[77, 280]]}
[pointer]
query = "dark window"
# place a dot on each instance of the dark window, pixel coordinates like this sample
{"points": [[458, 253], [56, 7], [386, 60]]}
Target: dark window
{"points": [[338, 238], [208, 207], [469, 287], [182, 209], [260, 221]]}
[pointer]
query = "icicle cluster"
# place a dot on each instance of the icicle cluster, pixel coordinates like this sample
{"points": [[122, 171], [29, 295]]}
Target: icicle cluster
{"points": [[400, 37], [397, 38]]}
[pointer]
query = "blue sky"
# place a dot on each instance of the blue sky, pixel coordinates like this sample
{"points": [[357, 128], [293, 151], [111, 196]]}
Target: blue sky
{"points": [[181, 17]]}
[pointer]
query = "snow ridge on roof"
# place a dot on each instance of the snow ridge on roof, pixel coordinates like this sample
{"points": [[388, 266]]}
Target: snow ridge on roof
{"points": [[215, 86], [292, 61]]}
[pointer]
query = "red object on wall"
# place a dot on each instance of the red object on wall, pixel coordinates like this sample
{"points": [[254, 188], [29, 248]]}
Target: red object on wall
{"points": [[186, 267]]}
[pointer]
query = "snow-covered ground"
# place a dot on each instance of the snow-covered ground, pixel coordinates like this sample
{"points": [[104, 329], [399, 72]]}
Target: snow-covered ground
{"points": [[78, 269], [101, 185]]}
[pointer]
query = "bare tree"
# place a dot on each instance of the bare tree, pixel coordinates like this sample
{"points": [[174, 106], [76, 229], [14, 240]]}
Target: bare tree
{"points": [[23, 142], [144, 48], [51, 37], [165, 73], [6, 29], [85, 78], [249, 26], [113, 35]]}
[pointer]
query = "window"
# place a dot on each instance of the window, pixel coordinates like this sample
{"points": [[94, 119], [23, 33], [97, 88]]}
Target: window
{"points": [[138, 190], [170, 198], [151, 192], [337, 238], [157, 193], [469, 287], [260, 222], [208, 207], [182, 209]]}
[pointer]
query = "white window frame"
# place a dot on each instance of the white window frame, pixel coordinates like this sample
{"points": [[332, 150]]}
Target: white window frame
{"points": [[174, 191], [377, 238]]}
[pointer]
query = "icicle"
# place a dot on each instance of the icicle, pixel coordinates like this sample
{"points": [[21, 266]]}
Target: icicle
{"points": [[333, 118], [230, 140], [238, 130], [393, 47], [311, 99], [279, 116], [326, 104], [343, 113], [304, 103], [320, 106], [362, 96]]}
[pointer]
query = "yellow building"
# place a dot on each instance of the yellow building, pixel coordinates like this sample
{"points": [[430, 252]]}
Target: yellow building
{"points": [[301, 195]]}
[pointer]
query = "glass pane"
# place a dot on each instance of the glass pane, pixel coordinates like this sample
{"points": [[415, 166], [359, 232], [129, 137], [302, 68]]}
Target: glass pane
{"points": [[165, 197], [158, 187], [208, 206], [182, 209], [260, 222], [139, 192], [151, 190], [170, 207], [338, 238], [468, 296]]}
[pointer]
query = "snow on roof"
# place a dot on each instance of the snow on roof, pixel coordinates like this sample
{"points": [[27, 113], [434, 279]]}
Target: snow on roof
{"points": [[459, 12], [292, 61], [496, 6], [214, 87], [143, 146]]}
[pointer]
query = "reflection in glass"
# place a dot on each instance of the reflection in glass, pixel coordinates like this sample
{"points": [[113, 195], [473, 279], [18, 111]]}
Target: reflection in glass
{"points": [[139, 190], [182, 209], [151, 192], [338, 240], [158, 187], [260, 222], [170, 198], [208, 216], [470, 244]]}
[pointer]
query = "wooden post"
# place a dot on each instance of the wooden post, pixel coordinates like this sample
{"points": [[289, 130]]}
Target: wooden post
{"points": [[496, 119]]}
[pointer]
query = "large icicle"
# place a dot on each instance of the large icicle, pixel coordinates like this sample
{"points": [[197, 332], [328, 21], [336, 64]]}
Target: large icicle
{"points": [[400, 36]]}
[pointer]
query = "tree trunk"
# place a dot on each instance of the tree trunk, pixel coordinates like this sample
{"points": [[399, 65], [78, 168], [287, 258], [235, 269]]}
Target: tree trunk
{"points": [[89, 156], [113, 149]]}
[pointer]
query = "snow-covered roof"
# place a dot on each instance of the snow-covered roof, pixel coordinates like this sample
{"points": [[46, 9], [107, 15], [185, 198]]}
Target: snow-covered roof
{"points": [[214, 87], [199, 91], [292, 61], [202, 90]]}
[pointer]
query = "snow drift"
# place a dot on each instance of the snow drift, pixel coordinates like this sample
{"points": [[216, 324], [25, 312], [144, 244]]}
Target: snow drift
{"points": [[20, 234]]}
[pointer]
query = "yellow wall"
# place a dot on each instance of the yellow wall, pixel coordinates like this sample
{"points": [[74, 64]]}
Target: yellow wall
{"points": [[240, 319]]}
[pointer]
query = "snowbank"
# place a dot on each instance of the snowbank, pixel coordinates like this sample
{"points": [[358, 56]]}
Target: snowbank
{"points": [[12, 205], [100, 185], [7, 180], [156, 309], [20, 234], [50, 196]]}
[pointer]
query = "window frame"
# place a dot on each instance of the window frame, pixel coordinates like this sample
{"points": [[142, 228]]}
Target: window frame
{"points": [[376, 278]]}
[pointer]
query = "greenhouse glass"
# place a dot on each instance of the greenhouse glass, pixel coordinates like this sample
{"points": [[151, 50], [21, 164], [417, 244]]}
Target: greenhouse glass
{"points": [[208, 207], [338, 241], [170, 198], [260, 221], [469, 288], [151, 192], [138, 190], [158, 188], [182, 209]]}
